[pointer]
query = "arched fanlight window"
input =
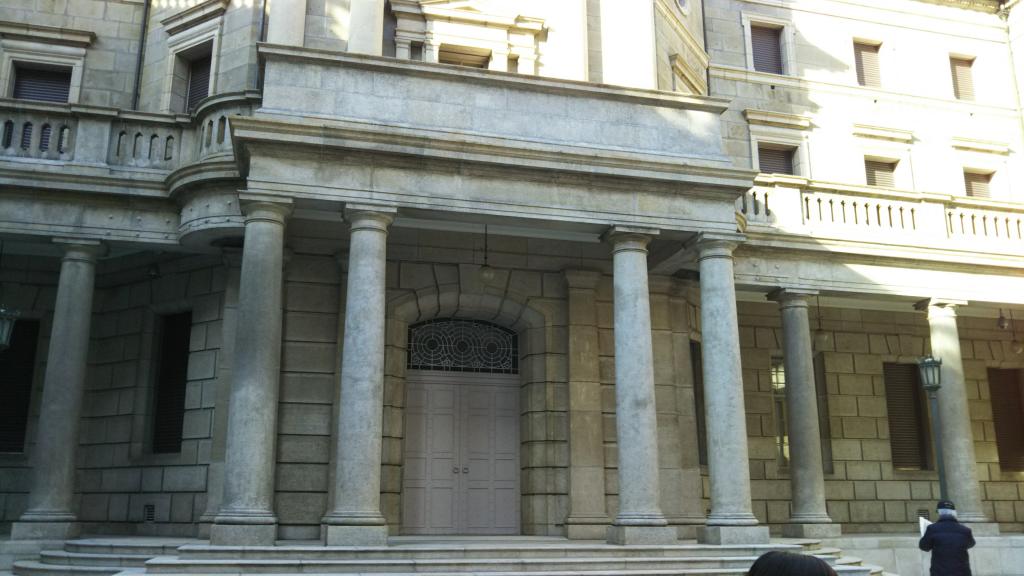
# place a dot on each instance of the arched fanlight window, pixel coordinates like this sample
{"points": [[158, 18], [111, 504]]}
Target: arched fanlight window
{"points": [[463, 346]]}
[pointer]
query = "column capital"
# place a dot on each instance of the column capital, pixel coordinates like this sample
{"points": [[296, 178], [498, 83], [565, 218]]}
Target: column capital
{"points": [[370, 216], [717, 244], [581, 279], [932, 305], [81, 249], [791, 297], [629, 237], [265, 208]]}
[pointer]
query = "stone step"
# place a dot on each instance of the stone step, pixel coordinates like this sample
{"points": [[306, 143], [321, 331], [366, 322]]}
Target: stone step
{"points": [[79, 559], [134, 545], [32, 568]]}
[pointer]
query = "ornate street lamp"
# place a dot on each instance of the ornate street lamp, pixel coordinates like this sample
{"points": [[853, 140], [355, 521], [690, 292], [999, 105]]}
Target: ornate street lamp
{"points": [[7, 317], [931, 381]]}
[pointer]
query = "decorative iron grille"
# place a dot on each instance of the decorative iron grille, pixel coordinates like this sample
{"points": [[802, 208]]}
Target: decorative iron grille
{"points": [[463, 346]]}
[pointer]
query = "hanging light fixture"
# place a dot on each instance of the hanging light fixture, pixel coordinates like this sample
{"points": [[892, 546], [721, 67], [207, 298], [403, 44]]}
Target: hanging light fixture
{"points": [[487, 274], [821, 337], [7, 317], [1015, 344], [1003, 323]]}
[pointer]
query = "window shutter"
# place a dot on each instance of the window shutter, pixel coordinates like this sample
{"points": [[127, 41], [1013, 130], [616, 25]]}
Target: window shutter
{"points": [[696, 362], [824, 421], [880, 173], [766, 44], [866, 56], [775, 160], [977, 185], [963, 81], [171, 382], [1007, 396], [198, 82], [906, 416], [17, 365], [45, 85]]}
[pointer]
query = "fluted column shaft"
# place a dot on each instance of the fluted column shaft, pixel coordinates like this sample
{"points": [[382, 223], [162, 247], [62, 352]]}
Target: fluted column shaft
{"points": [[809, 517], [49, 514], [639, 520], [356, 518], [728, 460], [246, 516]]}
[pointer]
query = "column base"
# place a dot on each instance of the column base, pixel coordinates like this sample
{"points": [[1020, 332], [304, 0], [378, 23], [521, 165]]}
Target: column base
{"points": [[982, 528], [805, 530], [732, 535], [22, 530], [641, 535], [243, 534], [364, 535]]}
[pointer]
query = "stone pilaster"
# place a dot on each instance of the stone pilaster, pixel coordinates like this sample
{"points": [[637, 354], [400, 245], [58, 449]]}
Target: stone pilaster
{"points": [[732, 520], [287, 23], [246, 516], [588, 519], [809, 518], [49, 515], [356, 518], [640, 520], [957, 438]]}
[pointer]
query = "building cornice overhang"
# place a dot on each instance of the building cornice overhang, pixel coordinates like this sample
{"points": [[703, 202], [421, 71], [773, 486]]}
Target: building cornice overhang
{"points": [[92, 180], [291, 132], [47, 34], [991, 6], [273, 52]]}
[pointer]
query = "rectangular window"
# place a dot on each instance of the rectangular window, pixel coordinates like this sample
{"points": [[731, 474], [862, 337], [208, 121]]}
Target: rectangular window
{"points": [[908, 429], [766, 45], [1007, 392], [824, 423], [775, 159], [977, 184], [171, 381], [880, 173], [45, 84], [198, 81], [963, 80], [17, 365], [866, 61], [781, 417], [697, 362]]}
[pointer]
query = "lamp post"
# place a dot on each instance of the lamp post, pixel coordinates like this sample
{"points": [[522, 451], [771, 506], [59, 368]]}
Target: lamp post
{"points": [[931, 381]]}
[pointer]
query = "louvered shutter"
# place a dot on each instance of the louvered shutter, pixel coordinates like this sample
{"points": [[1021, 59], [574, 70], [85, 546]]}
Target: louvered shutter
{"points": [[977, 185], [45, 85], [696, 363], [880, 173], [963, 80], [866, 56], [824, 422], [171, 383], [198, 81], [17, 365], [1008, 413], [766, 44], [775, 160], [906, 416]]}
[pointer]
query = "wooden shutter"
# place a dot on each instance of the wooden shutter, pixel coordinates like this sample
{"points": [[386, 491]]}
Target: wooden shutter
{"points": [[198, 82], [765, 42], [696, 362], [45, 85], [880, 173], [963, 81], [775, 160], [866, 59], [171, 381], [17, 365], [977, 185], [1007, 393], [904, 402], [824, 422]]}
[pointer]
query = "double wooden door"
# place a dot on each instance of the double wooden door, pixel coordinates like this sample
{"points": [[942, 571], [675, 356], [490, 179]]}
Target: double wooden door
{"points": [[461, 454]]}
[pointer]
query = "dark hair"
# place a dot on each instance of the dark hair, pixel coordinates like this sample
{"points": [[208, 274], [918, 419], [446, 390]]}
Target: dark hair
{"points": [[778, 563]]}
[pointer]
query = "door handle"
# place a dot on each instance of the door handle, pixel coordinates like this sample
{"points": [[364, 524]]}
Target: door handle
{"points": [[455, 469], [465, 470]]}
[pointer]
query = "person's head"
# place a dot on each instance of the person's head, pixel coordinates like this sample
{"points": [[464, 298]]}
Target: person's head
{"points": [[946, 509], [778, 563]]}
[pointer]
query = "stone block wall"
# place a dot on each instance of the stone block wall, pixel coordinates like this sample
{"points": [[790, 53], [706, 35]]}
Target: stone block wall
{"points": [[864, 492]]}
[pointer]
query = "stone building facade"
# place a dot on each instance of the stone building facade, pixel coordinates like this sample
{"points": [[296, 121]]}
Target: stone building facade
{"points": [[333, 269]]}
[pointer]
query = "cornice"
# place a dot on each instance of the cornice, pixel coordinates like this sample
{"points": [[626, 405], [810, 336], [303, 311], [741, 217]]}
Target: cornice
{"points": [[47, 34], [195, 15]]}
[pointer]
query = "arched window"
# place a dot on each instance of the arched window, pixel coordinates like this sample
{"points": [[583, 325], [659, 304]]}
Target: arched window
{"points": [[463, 346]]}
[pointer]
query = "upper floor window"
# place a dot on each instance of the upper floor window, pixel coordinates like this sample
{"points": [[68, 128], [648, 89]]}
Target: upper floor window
{"points": [[963, 78], [880, 172], [38, 83], [198, 81], [774, 159], [190, 84], [867, 64], [977, 184], [464, 56], [766, 48]]}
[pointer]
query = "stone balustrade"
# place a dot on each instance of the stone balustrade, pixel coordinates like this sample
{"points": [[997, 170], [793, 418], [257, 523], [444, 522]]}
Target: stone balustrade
{"points": [[793, 205]]}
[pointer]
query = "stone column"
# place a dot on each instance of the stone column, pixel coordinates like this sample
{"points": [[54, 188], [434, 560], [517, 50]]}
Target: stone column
{"points": [[286, 22], [356, 519], [639, 520], [809, 518], [498, 61], [627, 43], [246, 516], [366, 27], [957, 438], [431, 50], [731, 520], [49, 515], [403, 48], [587, 519]]}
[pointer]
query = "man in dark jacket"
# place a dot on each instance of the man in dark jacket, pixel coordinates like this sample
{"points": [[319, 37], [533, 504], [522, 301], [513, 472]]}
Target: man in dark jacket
{"points": [[948, 541]]}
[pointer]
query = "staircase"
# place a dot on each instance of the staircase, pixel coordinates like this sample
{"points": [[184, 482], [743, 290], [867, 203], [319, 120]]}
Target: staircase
{"points": [[407, 556]]}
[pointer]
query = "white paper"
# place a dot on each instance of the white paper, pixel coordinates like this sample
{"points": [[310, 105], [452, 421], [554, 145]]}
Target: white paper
{"points": [[923, 523]]}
